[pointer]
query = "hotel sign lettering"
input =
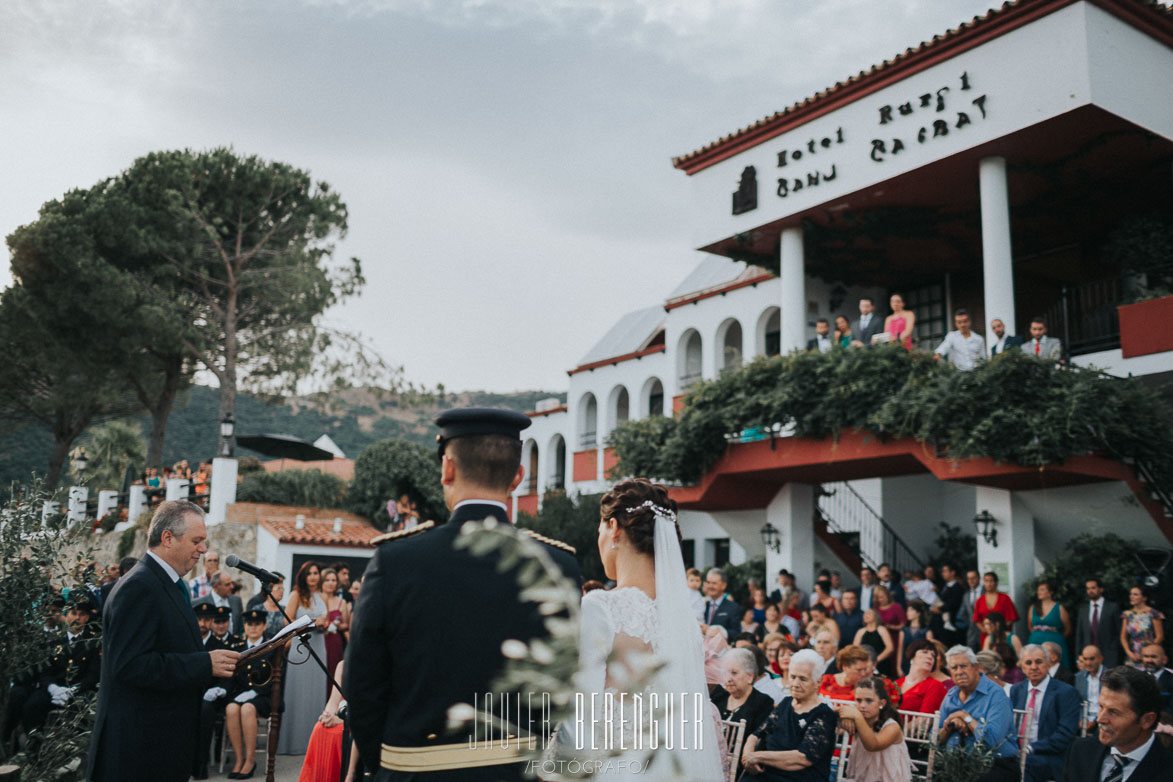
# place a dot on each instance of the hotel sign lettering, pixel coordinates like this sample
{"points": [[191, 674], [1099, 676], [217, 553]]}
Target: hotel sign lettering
{"points": [[939, 113], [937, 102]]}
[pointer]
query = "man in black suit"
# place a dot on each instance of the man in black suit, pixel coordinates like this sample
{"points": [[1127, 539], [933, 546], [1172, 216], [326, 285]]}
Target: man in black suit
{"points": [[822, 342], [1087, 684], [221, 595], [154, 668], [1055, 715], [124, 567], [1153, 658], [1129, 705], [952, 621], [719, 608], [1097, 623], [1058, 671], [868, 325], [1000, 342], [411, 658]]}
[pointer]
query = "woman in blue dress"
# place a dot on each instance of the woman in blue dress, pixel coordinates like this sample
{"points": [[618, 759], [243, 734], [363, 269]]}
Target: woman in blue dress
{"points": [[1049, 621]]}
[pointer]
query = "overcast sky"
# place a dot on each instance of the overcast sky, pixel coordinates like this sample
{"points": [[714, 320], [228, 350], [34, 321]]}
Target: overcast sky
{"points": [[506, 163]]}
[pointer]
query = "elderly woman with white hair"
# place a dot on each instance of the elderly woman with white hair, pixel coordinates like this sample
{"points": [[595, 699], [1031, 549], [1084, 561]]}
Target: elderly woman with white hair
{"points": [[737, 698], [796, 741]]}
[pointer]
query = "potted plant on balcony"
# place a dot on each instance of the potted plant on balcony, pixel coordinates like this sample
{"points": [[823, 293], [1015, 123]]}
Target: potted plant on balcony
{"points": [[1143, 248]]}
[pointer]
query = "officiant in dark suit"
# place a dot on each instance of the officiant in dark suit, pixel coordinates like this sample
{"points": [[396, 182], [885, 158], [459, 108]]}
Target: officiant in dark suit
{"points": [[1097, 623], [154, 668], [406, 665], [1124, 742]]}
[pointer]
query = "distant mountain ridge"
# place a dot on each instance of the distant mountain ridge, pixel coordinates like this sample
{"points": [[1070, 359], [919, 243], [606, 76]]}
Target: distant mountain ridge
{"points": [[354, 418]]}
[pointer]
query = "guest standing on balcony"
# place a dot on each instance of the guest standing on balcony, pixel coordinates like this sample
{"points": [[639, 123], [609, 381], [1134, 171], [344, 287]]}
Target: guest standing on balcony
{"points": [[901, 324], [868, 325], [1041, 345], [842, 333], [822, 342], [963, 348], [1001, 341]]}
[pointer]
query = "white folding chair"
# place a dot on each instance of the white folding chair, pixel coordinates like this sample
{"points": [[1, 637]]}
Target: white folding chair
{"points": [[262, 741], [920, 730], [843, 743], [734, 735], [1084, 717], [1022, 738]]}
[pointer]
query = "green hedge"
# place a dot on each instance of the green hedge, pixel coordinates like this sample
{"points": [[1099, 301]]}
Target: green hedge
{"points": [[312, 488], [1013, 408]]}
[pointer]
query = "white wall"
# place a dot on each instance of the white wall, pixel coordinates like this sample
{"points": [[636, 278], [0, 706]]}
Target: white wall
{"points": [[272, 555], [1028, 75], [1128, 71], [1114, 363]]}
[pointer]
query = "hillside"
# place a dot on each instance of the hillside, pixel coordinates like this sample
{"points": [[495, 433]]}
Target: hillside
{"points": [[354, 419]]}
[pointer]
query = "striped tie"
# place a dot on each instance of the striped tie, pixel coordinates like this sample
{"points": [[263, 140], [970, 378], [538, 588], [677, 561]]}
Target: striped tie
{"points": [[1117, 772]]}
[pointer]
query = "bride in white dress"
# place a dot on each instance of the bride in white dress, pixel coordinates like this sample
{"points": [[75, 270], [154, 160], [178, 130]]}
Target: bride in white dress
{"points": [[642, 655]]}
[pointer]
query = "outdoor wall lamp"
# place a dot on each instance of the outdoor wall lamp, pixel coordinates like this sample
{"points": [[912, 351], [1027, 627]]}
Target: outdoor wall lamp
{"points": [[771, 538], [80, 461], [227, 429], [987, 527]]}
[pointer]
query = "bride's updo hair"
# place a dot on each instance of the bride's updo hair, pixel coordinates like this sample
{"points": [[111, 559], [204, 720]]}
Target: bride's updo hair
{"points": [[640, 522]]}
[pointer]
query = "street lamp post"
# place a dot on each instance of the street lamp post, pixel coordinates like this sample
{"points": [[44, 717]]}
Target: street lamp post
{"points": [[227, 430]]}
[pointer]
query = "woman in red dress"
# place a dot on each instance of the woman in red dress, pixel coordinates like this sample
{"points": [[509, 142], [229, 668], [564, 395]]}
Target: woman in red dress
{"points": [[854, 664], [921, 691], [993, 600], [337, 618]]}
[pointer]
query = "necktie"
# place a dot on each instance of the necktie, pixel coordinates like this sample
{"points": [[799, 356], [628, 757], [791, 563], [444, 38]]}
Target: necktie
{"points": [[183, 590], [1037, 344], [712, 610], [1095, 624], [1117, 772], [1030, 707]]}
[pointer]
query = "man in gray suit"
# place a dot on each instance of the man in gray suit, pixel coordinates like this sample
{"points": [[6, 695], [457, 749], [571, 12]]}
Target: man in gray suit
{"points": [[221, 595], [868, 325], [1040, 344], [973, 593], [1087, 684], [1097, 623]]}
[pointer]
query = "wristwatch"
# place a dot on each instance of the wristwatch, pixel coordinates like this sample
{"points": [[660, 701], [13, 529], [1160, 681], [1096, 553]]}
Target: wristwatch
{"points": [[969, 720]]}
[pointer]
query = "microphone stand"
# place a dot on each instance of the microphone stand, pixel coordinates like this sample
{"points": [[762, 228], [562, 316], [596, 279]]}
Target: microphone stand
{"points": [[303, 637]]}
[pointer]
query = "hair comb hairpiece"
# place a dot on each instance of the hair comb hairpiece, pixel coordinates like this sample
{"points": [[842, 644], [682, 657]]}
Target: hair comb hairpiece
{"points": [[656, 510]]}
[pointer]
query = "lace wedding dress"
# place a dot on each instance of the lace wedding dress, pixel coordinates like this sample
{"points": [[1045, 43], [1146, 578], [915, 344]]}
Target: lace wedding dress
{"points": [[643, 709]]}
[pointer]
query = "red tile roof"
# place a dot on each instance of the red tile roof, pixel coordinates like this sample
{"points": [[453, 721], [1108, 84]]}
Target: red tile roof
{"points": [[320, 532], [635, 354], [1154, 18]]}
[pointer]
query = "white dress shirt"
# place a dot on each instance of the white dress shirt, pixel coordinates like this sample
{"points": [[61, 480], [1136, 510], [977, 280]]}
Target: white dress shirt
{"points": [[963, 352], [1134, 757], [1034, 717], [170, 571], [865, 597], [1093, 694]]}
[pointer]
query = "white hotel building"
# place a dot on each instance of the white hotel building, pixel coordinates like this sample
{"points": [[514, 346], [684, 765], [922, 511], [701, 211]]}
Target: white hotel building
{"points": [[981, 170]]}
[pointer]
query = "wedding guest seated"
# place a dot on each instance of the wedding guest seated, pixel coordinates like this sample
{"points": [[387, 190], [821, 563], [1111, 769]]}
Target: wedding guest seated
{"points": [[993, 668], [737, 698], [976, 710], [919, 690], [248, 699], [763, 682], [854, 664], [1054, 707], [716, 644], [939, 670], [796, 741], [1087, 684], [878, 753], [771, 624]]}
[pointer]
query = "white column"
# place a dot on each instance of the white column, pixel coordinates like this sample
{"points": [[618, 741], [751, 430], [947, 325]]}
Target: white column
{"points": [[1013, 558], [793, 273], [137, 504], [107, 502], [997, 260], [177, 489], [50, 509], [77, 502], [222, 492], [792, 512]]}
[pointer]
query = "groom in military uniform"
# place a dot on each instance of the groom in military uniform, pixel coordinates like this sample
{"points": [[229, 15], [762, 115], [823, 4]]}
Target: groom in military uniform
{"points": [[430, 619]]}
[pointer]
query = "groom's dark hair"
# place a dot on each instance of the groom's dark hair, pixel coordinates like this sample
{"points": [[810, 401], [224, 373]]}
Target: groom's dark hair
{"points": [[627, 503]]}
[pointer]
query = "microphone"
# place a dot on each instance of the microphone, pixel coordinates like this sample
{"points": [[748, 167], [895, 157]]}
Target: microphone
{"points": [[234, 561]]}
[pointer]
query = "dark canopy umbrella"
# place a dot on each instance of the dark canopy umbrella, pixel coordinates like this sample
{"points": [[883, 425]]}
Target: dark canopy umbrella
{"points": [[284, 446]]}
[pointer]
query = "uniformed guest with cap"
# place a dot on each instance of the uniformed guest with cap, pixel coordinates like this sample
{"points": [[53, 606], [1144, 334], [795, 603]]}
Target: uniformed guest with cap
{"points": [[404, 667], [216, 696], [71, 671], [203, 614], [248, 698]]}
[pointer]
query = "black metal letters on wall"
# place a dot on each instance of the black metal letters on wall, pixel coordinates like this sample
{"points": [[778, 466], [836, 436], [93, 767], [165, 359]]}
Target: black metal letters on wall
{"points": [[936, 102]]}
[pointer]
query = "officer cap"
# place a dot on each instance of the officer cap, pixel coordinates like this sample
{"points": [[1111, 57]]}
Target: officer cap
{"points": [[255, 615], [80, 601], [221, 613], [204, 609], [471, 421]]}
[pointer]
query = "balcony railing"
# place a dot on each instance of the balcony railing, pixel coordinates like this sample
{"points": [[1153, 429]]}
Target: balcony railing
{"points": [[1085, 317], [588, 440]]}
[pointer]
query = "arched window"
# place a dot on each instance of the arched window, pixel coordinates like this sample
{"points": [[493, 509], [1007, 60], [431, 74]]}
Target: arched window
{"points": [[729, 338], [618, 407], [557, 477], [652, 397], [688, 359], [531, 472], [768, 340], [588, 421]]}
